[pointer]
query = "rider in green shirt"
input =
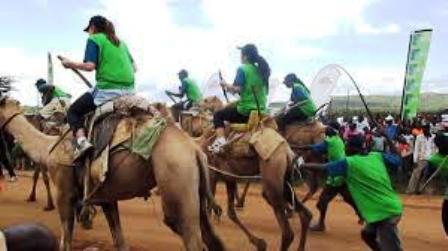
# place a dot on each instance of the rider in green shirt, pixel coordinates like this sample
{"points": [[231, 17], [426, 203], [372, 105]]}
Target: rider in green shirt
{"points": [[54, 99], [300, 107], [114, 68], [252, 84], [367, 178], [188, 88]]}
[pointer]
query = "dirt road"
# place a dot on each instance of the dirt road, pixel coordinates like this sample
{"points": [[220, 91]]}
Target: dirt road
{"points": [[420, 227]]}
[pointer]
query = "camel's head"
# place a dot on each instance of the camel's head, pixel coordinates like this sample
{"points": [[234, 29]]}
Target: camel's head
{"points": [[212, 104], [8, 106]]}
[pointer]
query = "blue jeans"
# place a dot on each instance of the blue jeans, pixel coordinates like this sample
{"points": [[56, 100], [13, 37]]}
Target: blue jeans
{"points": [[382, 235]]}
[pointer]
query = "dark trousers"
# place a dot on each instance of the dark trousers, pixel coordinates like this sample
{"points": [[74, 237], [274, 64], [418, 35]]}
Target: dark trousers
{"points": [[77, 111], [445, 215], [330, 192], [178, 107], [229, 114], [382, 235], [5, 155], [291, 116]]}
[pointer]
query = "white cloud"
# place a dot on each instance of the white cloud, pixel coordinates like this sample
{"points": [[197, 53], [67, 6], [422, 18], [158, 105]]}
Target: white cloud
{"points": [[161, 47]]}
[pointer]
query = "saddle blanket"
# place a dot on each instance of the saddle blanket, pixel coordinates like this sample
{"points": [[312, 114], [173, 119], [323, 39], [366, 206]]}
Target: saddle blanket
{"points": [[138, 137], [266, 141]]}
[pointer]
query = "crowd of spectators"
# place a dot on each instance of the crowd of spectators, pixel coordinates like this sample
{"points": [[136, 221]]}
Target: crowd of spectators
{"points": [[414, 140]]}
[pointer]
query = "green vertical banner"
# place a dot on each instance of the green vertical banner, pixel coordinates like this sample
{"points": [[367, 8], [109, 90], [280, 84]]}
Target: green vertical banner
{"points": [[417, 55]]}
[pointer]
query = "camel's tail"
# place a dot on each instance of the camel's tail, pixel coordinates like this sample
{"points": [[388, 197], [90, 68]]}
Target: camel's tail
{"points": [[205, 188]]}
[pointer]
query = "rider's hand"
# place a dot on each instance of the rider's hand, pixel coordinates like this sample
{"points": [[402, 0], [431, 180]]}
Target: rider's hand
{"points": [[67, 63]]}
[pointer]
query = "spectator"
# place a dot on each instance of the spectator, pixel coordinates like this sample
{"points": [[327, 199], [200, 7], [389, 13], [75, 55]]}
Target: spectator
{"points": [[424, 148], [378, 141], [368, 138], [391, 129], [350, 131], [361, 123]]}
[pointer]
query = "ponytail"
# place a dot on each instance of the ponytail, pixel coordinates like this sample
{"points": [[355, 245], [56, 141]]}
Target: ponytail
{"points": [[263, 69], [110, 33]]}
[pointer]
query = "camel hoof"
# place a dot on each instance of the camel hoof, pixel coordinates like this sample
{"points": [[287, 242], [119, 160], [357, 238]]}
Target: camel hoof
{"points": [[261, 245], [239, 206], [49, 208], [31, 199], [317, 228]]}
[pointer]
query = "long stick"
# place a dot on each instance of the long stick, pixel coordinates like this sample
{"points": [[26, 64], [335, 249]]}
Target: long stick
{"points": [[223, 89], [84, 79], [360, 94], [434, 174]]}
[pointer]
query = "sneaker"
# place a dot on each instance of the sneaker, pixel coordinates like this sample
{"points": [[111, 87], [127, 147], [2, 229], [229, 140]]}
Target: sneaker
{"points": [[82, 147], [12, 179], [217, 145]]}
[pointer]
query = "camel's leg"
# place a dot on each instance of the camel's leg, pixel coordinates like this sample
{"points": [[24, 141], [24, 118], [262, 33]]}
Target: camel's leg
{"points": [[211, 239], [50, 204], [273, 194], [304, 214], [113, 219], [240, 200], [36, 174], [67, 217], [231, 190], [181, 214]]}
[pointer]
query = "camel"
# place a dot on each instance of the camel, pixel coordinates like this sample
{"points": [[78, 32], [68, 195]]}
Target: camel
{"points": [[274, 173], [37, 122], [177, 167], [301, 135], [195, 125]]}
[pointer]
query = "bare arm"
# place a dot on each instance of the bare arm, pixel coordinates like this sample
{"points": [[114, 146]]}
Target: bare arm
{"points": [[231, 88], [88, 66]]}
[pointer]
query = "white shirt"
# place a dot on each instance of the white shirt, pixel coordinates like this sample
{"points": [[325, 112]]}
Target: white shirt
{"points": [[360, 125], [424, 148]]}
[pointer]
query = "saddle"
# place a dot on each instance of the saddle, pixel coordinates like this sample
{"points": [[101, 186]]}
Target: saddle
{"points": [[126, 122], [256, 137], [195, 121]]}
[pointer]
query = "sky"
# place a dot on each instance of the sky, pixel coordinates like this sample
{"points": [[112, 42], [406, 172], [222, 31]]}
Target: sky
{"points": [[368, 37]]}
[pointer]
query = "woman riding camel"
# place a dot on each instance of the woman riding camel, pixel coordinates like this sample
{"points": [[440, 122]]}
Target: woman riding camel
{"points": [[252, 84], [300, 107], [114, 66]]}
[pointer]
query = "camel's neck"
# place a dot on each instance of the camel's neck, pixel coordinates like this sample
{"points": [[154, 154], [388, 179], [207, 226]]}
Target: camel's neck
{"points": [[33, 142]]}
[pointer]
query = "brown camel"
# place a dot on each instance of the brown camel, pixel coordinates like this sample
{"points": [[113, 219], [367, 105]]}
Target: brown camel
{"points": [[195, 125], [37, 122], [177, 167], [274, 173]]}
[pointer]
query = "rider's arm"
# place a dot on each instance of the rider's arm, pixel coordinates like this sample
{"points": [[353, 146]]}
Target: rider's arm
{"points": [[238, 83], [90, 58], [182, 91], [334, 169], [297, 96]]}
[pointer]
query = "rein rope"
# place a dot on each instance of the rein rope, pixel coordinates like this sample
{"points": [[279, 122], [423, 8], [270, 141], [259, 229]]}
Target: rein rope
{"points": [[9, 120], [229, 174]]}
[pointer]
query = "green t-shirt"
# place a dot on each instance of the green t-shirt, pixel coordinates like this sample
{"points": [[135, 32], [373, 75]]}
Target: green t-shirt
{"points": [[253, 83], [335, 152], [441, 161], [59, 93], [115, 69], [308, 108], [191, 90], [369, 183]]}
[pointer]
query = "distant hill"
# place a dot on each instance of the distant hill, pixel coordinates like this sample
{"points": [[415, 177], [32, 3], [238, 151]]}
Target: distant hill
{"points": [[429, 102]]}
